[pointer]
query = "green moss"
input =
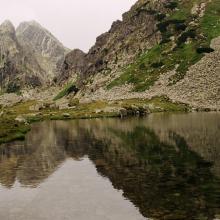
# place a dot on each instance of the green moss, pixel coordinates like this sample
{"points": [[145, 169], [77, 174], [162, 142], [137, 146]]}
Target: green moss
{"points": [[66, 91], [210, 23], [142, 73]]}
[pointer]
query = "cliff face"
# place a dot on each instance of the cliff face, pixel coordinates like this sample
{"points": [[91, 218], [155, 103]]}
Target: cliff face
{"points": [[123, 42], [158, 48], [17, 66], [48, 51], [74, 64]]}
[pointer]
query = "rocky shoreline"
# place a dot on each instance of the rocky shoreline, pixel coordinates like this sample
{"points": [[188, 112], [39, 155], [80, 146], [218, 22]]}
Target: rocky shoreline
{"points": [[22, 114]]}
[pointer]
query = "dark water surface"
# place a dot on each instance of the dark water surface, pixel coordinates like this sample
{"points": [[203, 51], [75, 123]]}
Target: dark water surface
{"points": [[164, 166]]}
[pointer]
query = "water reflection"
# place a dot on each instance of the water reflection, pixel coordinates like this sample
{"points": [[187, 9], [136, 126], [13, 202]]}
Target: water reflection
{"points": [[167, 165]]}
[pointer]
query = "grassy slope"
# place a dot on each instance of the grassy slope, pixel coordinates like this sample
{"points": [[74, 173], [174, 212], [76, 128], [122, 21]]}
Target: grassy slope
{"points": [[164, 57], [66, 91]]}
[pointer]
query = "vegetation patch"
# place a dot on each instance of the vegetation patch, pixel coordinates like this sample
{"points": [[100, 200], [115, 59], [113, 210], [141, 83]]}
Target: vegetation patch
{"points": [[171, 5], [66, 91], [13, 87], [142, 73], [11, 130], [204, 50], [210, 23]]}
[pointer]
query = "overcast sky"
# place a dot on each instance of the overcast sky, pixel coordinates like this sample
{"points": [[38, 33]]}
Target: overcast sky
{"points": [[76, 23]]}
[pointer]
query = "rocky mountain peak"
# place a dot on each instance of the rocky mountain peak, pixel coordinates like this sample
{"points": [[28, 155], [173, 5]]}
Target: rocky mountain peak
{"points": [[7, 27], [40, 38], [74, 63], [30, 56], [48, 50]]}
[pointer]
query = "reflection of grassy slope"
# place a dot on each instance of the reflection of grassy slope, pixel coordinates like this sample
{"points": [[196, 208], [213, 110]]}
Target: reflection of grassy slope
{"points": [[164, 57], [164, 181]]}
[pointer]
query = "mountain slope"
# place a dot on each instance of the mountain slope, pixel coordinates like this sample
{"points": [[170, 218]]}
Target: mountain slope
{"points": [[158, 48], [48, 51], [125, 39]]}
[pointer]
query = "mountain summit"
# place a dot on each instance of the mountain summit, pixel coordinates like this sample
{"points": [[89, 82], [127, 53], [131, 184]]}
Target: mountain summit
{"points": [[18, 66], [47, 49], [7, 27], [30, 56]]}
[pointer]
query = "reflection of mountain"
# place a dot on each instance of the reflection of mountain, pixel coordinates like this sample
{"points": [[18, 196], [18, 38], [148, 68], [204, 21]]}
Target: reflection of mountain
{"points": [[152, 160], [200, 130], [45, 148], [163, 181]]}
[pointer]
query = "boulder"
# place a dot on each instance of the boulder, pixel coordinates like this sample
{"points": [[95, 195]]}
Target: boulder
{"points": [[63, 106], [66, 115], [36, 107], [123, 112], [20, 119], [97, 111], [53, 106]]}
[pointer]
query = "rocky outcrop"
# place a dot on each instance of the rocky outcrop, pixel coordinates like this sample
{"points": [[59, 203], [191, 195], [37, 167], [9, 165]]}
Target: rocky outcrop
{"points": [[74, 64], [122, 43], [48, 51]]}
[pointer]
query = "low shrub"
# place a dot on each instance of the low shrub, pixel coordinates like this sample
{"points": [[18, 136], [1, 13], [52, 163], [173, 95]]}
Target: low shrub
{"points": [[171, 5], [204, 50], [12, 87], [66, 91], [157, 64]]}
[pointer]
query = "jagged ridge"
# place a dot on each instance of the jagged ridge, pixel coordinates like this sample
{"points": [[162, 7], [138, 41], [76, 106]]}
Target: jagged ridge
{"points": [[29, 56]]}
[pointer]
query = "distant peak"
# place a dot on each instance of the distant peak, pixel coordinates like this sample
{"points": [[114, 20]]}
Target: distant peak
{"points": [[33, 22], [25, 24], [7, 22], [7, 26]]}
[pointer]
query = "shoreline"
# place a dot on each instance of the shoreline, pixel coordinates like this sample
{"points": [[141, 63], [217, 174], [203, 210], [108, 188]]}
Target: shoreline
{"points": [[15, 121]]}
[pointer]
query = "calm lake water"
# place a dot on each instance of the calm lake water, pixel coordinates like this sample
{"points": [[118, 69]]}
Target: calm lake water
{"points": [[164, 166]]}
